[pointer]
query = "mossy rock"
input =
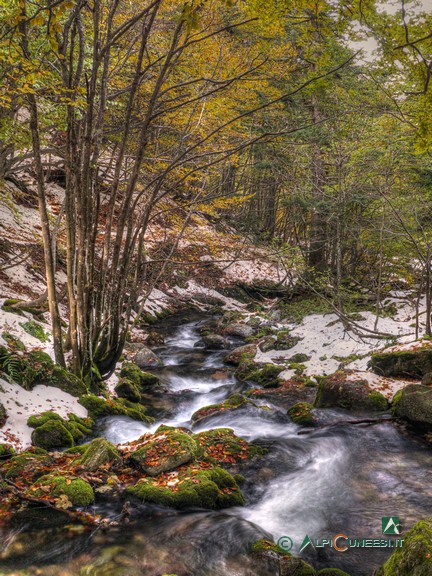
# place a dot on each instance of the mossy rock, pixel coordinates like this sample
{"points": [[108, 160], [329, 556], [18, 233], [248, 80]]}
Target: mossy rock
{"points": [[78, 491], [127, 389], [416, 555], [98, 407], [232, 403], [51, 435], [301, 413], [299, 358], [133, 373], [263, 546], [266, 376], [340, 391], [99, 453], [36, 420], [241, 354], [332, 572], [6, 450], [403, 363], [221, 446], [395, 402], [66, 381], [285, 341], [192, 487], [29, 464], [414, 404], [166, 449]]}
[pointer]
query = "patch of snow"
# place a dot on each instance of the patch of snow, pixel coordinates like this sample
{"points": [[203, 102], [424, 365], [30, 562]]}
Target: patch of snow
{"points": [[387, 386], [20, 404]]}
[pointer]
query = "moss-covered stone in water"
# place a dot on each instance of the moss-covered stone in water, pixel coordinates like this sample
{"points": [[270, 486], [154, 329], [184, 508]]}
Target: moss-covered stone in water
{"points": [[131, 372], [38, 419], [211, 488], [222, 446], [98, 406], [416, 555], [127, 389], [78, 491], [31, 464], [98, 453], [241, 354], [301, 413], [232, 403], [165, 450], [53, 434], [341, 390], [6, 450]]}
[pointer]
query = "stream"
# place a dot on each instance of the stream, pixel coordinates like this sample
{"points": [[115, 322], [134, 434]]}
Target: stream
{"points": [[341, 479]]}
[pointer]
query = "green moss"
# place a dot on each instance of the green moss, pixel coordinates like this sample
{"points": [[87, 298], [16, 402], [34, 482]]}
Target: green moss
{"points": [[301, 413], [266, 376], [416, 555], [168, 449], [378, 400], [53, 434], [131, 372], [127, 389], [79, 492], [77, 449], [395, 402], [98, 407], [232, 403], [38, 419], [6, 450], [36, 330], [404, 363], [31, 463], [267, 546], [211, 488], [66, 381], [299, 358], [298, 368], [13, 342], [98, 453], [222, 446]]}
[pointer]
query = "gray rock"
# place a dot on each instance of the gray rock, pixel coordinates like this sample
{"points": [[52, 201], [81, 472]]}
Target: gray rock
{"points": [[214, 342], [339, 391], [427, 379], [415, 404], [241, 353], [414, 363], [145, 358], [240, 330], [267, 343], [99, 453]]}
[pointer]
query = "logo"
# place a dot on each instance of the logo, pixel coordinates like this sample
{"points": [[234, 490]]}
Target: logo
{"points": [[285, 543], [390, 525], [306, 543]]}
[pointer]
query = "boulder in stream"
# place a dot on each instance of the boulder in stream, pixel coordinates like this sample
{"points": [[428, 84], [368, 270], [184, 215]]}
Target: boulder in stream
{"points": [[214, 342], [240, 330], [340, 390], [241, 354], [234, 402], [301, 413], [212, 488], [164, 450], [133, 373], [414, 403], [146, 358], [72, 490], [403, 362]]}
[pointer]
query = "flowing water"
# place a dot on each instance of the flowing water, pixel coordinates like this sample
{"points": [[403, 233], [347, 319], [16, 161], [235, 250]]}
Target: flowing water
{"points": [[338, 479]]}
